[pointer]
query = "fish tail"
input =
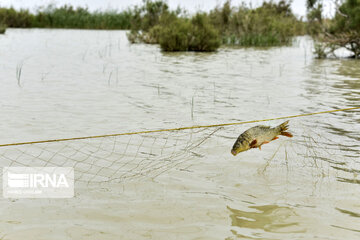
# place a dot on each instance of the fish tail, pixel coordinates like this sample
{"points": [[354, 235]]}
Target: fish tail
{"points": [[282, 129]]}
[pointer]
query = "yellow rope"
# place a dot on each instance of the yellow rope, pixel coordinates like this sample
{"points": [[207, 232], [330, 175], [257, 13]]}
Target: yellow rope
{"points": [[177, 129]]}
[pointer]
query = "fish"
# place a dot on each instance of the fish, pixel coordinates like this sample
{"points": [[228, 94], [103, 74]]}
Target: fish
{"points": [[256, 136]]}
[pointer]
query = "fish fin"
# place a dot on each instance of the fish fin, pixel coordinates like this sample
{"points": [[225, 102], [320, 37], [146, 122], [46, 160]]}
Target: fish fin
{"points": [[263, 144], [282, 129], [287, 134], [274, 138], [284, 126], [253, 143]]}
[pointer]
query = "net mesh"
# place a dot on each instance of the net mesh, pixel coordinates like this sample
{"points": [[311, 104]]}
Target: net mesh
{"points": [[116, 158], [147, 156]]}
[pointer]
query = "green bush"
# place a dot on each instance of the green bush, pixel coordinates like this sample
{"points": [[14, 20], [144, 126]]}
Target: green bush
{"points": [[182, 34], [144, 19], [347, 17], [269, 25], [175, 36], [204, 37]]}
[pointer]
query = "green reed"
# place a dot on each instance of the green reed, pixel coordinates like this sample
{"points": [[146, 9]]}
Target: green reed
{"points": [[65, 17], [18, 73]]}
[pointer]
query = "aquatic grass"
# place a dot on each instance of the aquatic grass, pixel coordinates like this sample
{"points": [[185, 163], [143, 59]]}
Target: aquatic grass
{"points": [[109, 79], [256, 40], [18, 73]]}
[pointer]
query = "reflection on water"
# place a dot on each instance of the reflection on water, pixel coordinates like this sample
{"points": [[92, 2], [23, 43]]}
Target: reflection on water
{"points": [[270, 218], [186, 184], [349, 180], [349, 68], [353, 214], [348, 229]]}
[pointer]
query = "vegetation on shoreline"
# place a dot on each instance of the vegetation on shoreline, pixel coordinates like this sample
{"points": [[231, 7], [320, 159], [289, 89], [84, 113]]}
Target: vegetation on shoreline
{"points": [[195, 34], [343, 31], [65, 17], [154, 23], [272, 24], [268, 25]]}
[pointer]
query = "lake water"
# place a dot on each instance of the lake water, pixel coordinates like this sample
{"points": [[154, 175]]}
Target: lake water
{"points": [[182, 184]]}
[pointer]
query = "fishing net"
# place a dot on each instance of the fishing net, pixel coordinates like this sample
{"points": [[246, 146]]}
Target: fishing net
{"points": [[150, 155], [117, 158]]}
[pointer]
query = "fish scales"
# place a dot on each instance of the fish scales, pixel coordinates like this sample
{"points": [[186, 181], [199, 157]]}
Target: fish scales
{"points": [[256, 136]]}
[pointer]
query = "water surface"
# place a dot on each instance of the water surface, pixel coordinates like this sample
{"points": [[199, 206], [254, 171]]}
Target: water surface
{"points": [[178, 185]]}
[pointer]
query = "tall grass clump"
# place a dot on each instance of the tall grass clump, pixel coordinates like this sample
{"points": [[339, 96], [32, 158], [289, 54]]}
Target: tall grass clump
{"points": [[146, 19], [195, 34], [204, 37], [65, 17], [69, 17], [16, 18], [154, 23], [175, 35], [271, 24]]}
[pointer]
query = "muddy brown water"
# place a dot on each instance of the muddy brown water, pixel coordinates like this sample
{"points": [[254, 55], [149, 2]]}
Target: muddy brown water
{"points": [[178, 185]]}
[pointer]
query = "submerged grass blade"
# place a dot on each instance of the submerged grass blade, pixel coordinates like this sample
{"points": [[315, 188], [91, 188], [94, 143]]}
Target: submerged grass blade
{"points": [[18, 73]]}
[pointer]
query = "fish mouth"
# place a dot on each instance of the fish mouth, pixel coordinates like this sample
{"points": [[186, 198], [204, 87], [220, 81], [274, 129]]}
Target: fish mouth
{"points": [[233, 152]]}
